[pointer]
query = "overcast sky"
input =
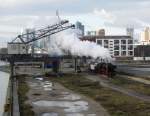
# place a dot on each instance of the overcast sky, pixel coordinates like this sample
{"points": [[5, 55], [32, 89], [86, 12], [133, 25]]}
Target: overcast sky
{"points": [[113, 15]]}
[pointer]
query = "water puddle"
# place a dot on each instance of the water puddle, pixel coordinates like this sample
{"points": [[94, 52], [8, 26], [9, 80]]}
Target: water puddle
{"points": [[65, 93], [75, 114], [47, 82], [47, 89], [68, 106], [40, 79], [79, 114], [91, 114], [50, 114], [47, 85], [71, 97], [32, 84]]}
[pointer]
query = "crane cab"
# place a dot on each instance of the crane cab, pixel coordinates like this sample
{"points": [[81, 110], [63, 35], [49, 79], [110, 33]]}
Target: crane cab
{"points": [[17, 48]]}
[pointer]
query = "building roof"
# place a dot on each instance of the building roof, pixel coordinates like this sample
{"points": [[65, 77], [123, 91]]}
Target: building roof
{"points": [[93, 38], [15, 43], [89, 38]]}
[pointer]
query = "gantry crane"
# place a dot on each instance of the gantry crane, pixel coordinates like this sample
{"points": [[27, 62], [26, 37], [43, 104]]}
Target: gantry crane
{"points": [[42, 33], [22, 41], [17, 48]]}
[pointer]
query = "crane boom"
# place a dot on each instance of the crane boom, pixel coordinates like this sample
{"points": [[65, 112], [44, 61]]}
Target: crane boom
{"points": [[42, 33]]}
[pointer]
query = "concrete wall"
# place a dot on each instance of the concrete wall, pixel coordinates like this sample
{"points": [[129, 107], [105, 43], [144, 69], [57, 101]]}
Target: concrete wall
{"points": [[30, 68], [142, 58]]}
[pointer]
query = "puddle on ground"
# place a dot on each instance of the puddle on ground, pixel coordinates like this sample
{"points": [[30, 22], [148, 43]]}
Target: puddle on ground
{"points": [[68, 106], [71, 97], [55, 94], [91, 114], [79, 114], [50, 114], [47, 85], [47, 89], [75, 114], [32, 84], [48, 82], [41, 79], [65, 93]]}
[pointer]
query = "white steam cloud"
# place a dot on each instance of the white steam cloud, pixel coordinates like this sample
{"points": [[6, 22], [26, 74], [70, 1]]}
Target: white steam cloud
{"points": [[67, 41]]}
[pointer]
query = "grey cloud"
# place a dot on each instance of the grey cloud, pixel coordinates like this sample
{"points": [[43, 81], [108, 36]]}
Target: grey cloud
{"points": [[35, 13], [138, 18]]}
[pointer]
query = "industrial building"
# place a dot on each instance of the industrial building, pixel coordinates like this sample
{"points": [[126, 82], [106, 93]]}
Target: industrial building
{"points": [[80, 27], [100, 32], [130, 31], [120, 47], [141, 53], [91, 33], [3, 51], [145, 36]]}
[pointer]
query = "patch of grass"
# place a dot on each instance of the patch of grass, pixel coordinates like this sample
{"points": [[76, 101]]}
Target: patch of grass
{"points": [[25, 109], [116, 103], [130, 84]]}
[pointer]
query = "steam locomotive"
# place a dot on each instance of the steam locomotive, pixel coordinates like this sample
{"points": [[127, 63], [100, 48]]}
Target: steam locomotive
{"points": [[103, 68]]}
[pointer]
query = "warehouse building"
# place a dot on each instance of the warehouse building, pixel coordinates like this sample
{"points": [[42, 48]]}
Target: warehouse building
{"points": [[141, 53], [120, 47]]}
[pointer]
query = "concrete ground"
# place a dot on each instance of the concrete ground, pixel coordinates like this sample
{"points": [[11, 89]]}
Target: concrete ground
{"points": [[143, 71], [52, 99]]}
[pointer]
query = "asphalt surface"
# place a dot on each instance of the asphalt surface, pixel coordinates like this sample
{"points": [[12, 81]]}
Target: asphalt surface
{"points": [[143, 71]]}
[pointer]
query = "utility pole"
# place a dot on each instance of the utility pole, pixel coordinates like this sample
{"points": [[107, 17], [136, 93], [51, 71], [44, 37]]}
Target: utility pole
{"points": [[143, 51], [11, 60]]}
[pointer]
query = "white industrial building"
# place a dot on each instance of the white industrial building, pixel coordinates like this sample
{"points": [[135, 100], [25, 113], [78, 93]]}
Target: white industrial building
{"points": [[118, 46]]}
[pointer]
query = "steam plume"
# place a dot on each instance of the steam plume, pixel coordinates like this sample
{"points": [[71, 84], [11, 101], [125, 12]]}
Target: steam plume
{"points": [[67, 41]]}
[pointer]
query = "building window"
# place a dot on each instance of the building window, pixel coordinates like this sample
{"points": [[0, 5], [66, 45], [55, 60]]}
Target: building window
{"points": [[123, 47], [130, 53], [105, 42], [105, 46], [14, 47], [130, 47], [116, 41], [116, 53], [123, 41], [116, 47], [23, 47], [99, 42], [123, 53], [111, 47], [111, 54], [130, 41]]}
